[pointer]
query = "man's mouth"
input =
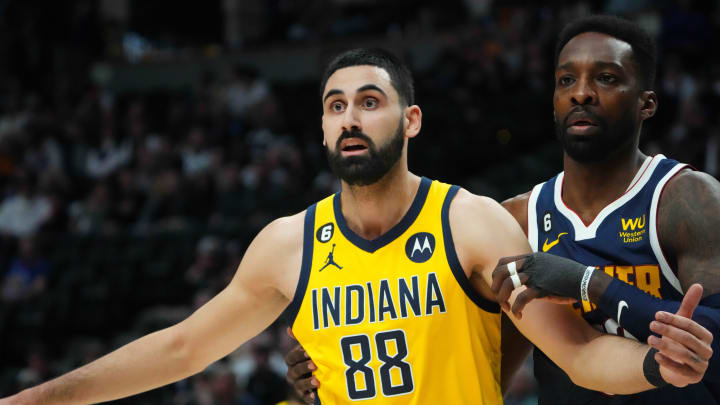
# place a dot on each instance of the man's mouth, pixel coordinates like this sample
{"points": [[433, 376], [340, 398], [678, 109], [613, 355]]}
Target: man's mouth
{"points": [[580, 123], [353, 146]]}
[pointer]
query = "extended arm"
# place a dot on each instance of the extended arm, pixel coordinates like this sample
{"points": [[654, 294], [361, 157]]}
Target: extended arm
{"points": [[687, 226], [486, 232], [243, 309]]}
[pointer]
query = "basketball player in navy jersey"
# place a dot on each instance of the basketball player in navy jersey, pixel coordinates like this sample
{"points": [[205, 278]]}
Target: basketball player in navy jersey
{"points": [[642, 228], [649, 222]]}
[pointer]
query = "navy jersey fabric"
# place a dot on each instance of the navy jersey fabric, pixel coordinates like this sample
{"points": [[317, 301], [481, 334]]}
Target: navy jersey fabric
{"points": [[622, 241]]}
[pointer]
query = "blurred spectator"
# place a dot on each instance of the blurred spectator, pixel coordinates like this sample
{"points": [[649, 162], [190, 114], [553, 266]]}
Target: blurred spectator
{"points": [[245, 91], [207, 264], [233, 201], [264, 384], [128, 198], [27, 274], [174, 202], [195, 154], [26, 209], [109, 155], [37, 369], [94, 214]]}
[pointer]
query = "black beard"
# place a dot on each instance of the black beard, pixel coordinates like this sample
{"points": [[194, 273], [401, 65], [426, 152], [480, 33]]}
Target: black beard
{"points": [[366, 170], [601, 146]]}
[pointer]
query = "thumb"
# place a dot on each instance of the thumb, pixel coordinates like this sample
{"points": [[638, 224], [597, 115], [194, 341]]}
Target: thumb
{"points": [[292, 335], [690, 301]]}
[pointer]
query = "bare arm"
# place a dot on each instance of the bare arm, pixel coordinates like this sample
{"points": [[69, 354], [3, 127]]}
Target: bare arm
{"points": [[250, 303], [486, 232], [688, 224]]}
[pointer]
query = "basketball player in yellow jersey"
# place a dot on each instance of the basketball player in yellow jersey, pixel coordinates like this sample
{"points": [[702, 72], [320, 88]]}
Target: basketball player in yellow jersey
{"points": [[384, 310], [377, 281]]}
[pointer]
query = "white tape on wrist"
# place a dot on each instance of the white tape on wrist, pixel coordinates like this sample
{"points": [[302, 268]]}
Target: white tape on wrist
{"points": [[512, 269], [585, 283]]}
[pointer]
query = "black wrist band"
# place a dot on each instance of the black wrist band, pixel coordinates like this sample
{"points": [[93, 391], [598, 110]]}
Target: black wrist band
{"points": [[651, 369]]}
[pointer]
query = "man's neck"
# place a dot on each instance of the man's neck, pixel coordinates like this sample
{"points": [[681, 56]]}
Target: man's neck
{"points": [[372, 210], [588, 188]]}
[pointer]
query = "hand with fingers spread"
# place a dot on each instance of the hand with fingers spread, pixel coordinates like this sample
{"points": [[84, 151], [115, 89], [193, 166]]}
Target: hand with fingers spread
{"points": [[545, 276], [299, 373], [683, 350]]}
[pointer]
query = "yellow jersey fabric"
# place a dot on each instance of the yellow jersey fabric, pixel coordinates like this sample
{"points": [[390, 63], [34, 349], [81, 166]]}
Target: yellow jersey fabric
{"points": [[394, 320]]}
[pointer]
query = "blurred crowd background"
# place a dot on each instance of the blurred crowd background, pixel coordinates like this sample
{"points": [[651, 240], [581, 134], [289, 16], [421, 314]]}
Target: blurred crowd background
{"points": [[144, 143]]}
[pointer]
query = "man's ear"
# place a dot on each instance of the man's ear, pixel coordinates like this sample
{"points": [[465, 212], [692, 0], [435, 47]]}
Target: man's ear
{"points": [[413, 121], [648, 104]]}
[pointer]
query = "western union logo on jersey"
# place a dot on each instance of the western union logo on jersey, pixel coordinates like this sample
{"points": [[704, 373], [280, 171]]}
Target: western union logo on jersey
{"points": [[376, 302], [633, 223], [633, 229]]}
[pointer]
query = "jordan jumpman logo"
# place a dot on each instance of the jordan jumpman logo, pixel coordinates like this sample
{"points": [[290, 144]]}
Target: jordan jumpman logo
{"points": [[330, 260]]}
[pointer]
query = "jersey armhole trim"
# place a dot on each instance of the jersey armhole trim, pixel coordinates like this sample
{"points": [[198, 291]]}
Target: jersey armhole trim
{"points": [[653, 225], [454, 262], [306, 264], [532, 225]]}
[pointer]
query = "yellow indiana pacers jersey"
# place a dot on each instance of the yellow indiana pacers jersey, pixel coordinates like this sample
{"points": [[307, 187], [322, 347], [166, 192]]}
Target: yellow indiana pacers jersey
{"points": [[394, 320]]}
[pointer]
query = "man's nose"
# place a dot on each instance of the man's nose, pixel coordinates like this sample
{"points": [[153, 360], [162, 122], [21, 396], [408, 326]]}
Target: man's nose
{"points": [[583, 92], [351, 119]]}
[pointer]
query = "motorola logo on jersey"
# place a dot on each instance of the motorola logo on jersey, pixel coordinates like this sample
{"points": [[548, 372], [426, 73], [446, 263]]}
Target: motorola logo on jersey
{"points": [[420, 247]]}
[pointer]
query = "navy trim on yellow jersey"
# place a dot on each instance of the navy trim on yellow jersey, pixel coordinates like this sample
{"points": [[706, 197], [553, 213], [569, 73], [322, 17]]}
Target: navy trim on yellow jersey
{"points": [[307, 254], [454, 262], [371, 246]]}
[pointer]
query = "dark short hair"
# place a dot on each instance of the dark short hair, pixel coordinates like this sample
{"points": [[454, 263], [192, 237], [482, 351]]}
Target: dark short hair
{"points": [[644, 48], [400, 76]]}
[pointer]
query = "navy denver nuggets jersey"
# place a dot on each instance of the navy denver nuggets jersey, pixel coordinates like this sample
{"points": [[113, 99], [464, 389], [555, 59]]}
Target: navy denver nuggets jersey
{"points": [[622, 241]]}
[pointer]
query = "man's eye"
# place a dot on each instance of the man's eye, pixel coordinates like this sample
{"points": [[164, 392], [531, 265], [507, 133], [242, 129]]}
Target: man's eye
{"points": [[608, 79], [565, 80], [370, 102], [337, 106]]}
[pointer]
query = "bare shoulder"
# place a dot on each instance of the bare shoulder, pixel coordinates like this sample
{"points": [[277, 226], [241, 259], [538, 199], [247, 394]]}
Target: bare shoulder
{"points": [[483, 230], [283, 232], [274, 257], [687, 223], [688, 195], [467, 203], [518, 207], [477, 212], [692, 185]]}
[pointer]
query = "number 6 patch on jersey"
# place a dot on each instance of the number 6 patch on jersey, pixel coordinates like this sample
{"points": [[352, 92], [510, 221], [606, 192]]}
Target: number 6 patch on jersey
{"points": [[325, 232]]}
